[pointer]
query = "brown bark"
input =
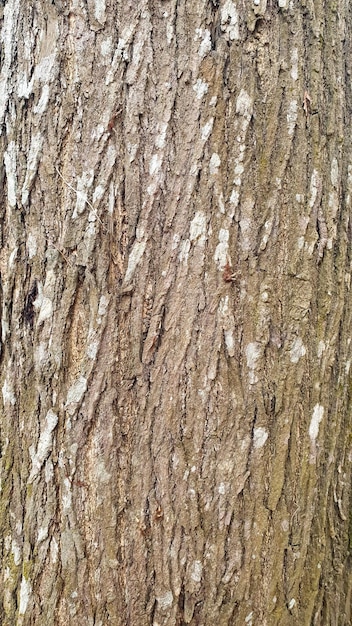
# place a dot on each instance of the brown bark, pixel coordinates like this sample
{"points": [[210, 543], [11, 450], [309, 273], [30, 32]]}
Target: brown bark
{"points": [[176, 312]]}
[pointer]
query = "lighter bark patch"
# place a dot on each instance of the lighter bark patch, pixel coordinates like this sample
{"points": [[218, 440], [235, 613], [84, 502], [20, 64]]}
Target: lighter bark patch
{"points": [[197, 228], [133, 260], [201, 88], [214, 163], [44, 445], [318, 413], [32, 165], [166, 600], [76, 391], [205, 44], [297, 350], [220, 256], [334, 172], [25, 593], [207, 128], [321, 348], [260, 436], [10, 168], [46, 309], [84, 182], [99, 10], [253, 351], [294, 61], [244, 105], [8, 394], [315, 185], [230, 20], [16, 551], [155, 164], [292, 117], [197, 571]]}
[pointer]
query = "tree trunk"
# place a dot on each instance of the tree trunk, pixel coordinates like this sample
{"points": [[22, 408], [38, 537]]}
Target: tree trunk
{"points": [[176, 312]]}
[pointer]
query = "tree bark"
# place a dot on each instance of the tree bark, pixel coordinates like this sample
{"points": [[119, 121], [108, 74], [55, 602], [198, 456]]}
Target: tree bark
{"points": [[176, 312]]}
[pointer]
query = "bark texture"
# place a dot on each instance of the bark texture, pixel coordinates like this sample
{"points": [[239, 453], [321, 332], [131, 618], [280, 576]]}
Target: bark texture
{"points": [[176, 312]]}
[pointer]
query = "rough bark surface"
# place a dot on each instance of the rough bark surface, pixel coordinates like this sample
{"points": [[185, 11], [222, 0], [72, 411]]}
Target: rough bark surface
{"points": [[176, 312]]}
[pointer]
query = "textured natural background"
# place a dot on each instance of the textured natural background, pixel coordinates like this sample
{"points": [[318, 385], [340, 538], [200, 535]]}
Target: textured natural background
{"points": [[175, 262]]}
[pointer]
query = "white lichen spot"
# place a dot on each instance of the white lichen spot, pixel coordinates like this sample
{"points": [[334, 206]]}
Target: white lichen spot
{"points": [[201, 88], [315, 184], [98, 194], [11, 170], [185, 247], [197, 571], [260, 436], [294, 62], [54, 550], [101, 473], [248, 618], [44, 444], [42, 534], [161, 138], [300, 243], [41, 106], [46, 310], [155, 164], [297, 350], [32, 164], [221, 203], [285, 525], [292, 117], [244, 105], [246, 232], [230, 21], [67, 495], [222, 489], [9, 42], [92, 349], [318, 413], [99, 11], [205, 44], [106, 47], [76, 391], [134, 258], [334, 174], [207, 128], [16, 551], [31, 244], [43, 70], [8, 395], [283, 4], [103, 305], [84, 183], [238, 171], [170, 31], [197, 228], [221, 251], [165, 600], [264, 296], [214, 163], [25, 593], [229, 341], [234, 198], [253, 352], [321, 348], [291, 603]]}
